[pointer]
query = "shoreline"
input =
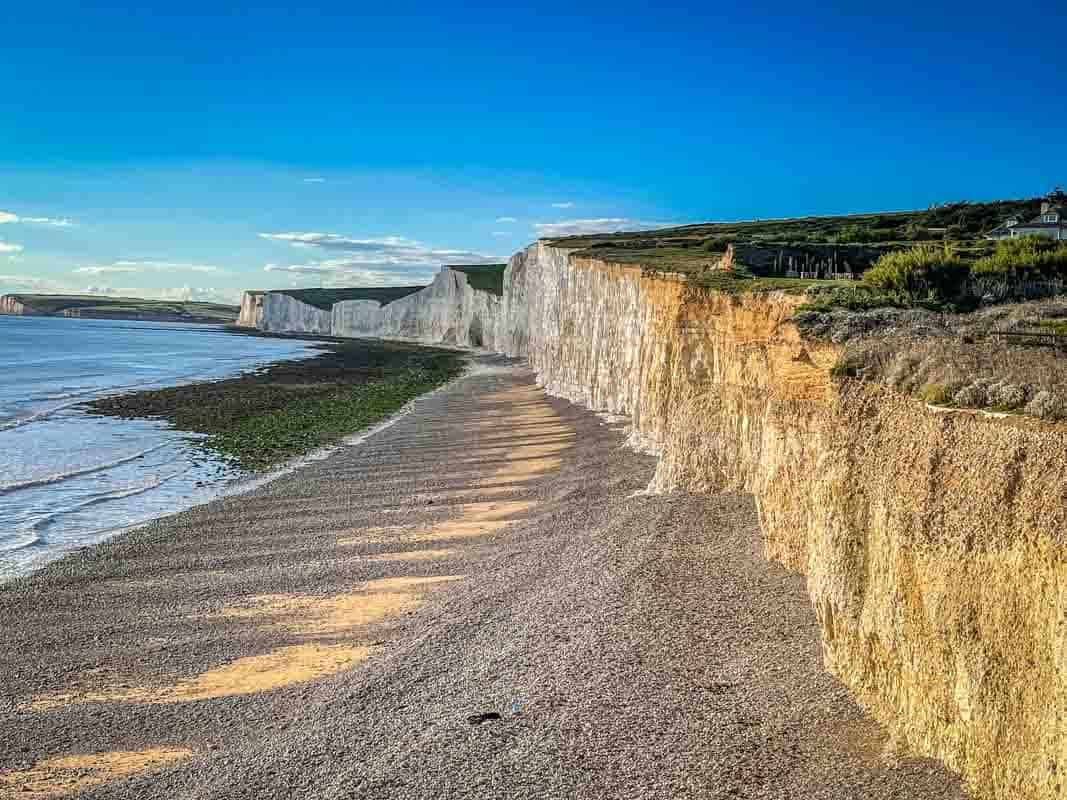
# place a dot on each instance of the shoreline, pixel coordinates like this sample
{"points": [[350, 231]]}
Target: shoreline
{"points": [[265, 417]]}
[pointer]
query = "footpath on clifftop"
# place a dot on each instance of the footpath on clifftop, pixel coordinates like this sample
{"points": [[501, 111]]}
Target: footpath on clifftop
{"points": [[477, 602]]}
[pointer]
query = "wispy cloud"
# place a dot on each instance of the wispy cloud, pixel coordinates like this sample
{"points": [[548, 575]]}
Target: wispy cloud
{"points": [[7, 217], [315, 180], [208, 294], [387, 250], [567, 204], [506, 220], [104, 270], [10, 247], [147, 266], [346, 272], [501, 233], [574, 227], [32, 283]]}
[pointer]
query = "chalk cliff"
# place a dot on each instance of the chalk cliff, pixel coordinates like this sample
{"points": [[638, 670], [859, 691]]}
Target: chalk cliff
{"points": [[281, 313], [11, 305], [448, 311], [251, 310], [932, 541]]}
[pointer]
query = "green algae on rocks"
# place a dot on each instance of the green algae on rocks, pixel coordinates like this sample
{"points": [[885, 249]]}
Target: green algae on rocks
{"points": [[266, 417]]}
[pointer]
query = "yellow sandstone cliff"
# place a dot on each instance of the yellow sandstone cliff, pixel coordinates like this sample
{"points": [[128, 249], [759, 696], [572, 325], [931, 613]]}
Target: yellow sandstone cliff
{"points": [[932, 541]]}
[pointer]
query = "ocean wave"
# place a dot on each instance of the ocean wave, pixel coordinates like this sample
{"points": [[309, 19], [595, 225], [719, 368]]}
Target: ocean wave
{"points": [[8, 488], [102, 497], [14, 543]]}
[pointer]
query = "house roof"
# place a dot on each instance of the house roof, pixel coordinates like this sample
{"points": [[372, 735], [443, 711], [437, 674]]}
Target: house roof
{"points": [[1028, 226]]}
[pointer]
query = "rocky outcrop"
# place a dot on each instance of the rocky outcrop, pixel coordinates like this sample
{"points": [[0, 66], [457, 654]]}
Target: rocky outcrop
{"points": [[933, 543], [281, 313], [251, 310], [448, 311]]}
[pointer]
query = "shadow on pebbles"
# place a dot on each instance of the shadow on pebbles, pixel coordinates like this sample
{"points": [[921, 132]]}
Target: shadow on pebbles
{"points": [[472, 603]]}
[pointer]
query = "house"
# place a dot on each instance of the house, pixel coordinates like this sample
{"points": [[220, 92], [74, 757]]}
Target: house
{"points": [[1051, 222]]}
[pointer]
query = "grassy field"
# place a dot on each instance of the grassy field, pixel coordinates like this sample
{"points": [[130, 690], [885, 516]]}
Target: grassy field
{"points": [[325, 298], [693, 249], [485, 277], [264, 418], [126, 306]]}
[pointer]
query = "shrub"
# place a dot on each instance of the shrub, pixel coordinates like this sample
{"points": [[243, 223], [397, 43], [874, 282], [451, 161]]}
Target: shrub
{"points": [[1045, 405], [924, 274], [1026, 258], [972, 396], [718, 244], [850, 298], [1007, 396], [936, 394]]}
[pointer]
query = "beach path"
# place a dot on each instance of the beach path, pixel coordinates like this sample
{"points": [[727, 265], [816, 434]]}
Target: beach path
{"points": [[476, 602]]}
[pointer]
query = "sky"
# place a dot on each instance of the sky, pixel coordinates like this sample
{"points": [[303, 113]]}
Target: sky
{"points": [[182, 151]]}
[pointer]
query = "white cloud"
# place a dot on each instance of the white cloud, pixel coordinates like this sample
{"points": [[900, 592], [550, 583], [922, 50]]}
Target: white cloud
{"points": [[388, 251], [344, 272], [147, 266], [8, 217], [314, 180], [501, 233], [506, 220], [574, 227], [9, 247], [207, 294], [580, 227], [567, 204], [103, 270], [32, 284]]}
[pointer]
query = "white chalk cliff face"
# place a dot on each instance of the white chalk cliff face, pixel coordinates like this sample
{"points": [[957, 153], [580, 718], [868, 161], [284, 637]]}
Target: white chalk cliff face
{"points": [[11, 306], [281, 313], [251, 310], [933, 544], [448, 311]]}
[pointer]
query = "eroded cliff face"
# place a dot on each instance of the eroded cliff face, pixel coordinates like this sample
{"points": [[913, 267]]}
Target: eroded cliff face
{"points": [[12, 306], [448, 311], [251, 310], [281, 313], [932, 542]]}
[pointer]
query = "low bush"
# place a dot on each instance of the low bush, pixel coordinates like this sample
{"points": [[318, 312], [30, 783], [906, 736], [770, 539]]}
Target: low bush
{"points": [[1026, 258], [936, 394], [922, 275]]}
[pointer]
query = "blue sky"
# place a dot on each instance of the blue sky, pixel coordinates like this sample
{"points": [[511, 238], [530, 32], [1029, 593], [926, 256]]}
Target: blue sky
{"points": [[178, 150]]}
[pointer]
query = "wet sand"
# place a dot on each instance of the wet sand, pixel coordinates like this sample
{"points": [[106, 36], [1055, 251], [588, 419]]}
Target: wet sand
{"points": [[472, 603]]}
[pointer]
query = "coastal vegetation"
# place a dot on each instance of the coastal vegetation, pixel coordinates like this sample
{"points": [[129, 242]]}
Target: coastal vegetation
{"points": [[960, 221], [484, 277], [943, 277], [325, 298], [91, 306], [266, 417]]}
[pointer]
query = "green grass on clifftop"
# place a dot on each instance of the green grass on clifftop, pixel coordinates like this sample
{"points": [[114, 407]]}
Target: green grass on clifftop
{"points": [[484, 277], [325, 298], [267, 417], [127, 306]]}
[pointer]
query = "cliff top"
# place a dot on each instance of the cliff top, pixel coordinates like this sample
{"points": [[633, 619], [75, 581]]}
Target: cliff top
{"points": [[484, 277], [848, 243], [954, 221], [97, 305]]}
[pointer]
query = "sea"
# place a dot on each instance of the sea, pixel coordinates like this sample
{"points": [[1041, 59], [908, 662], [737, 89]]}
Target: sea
{"points": [[69, 479]]}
